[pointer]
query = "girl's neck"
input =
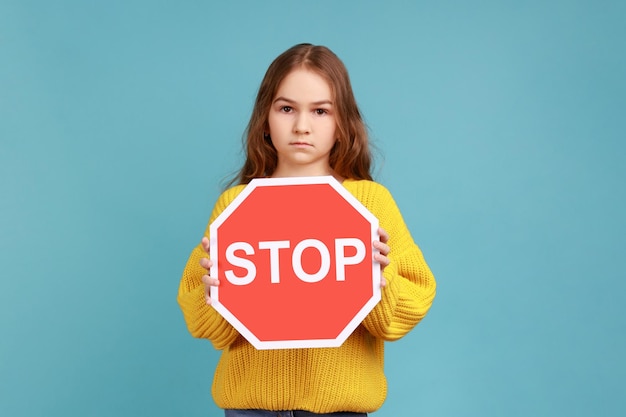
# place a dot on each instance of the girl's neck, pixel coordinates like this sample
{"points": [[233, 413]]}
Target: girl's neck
{"points": [[306, 172]]}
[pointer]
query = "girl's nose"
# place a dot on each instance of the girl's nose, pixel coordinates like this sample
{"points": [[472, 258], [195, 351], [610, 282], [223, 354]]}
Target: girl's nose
{"points": [[302, 125]]}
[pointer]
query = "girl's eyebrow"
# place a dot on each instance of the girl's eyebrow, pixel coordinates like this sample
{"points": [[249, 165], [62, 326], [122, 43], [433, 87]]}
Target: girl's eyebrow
{"points": [[315, 103]]}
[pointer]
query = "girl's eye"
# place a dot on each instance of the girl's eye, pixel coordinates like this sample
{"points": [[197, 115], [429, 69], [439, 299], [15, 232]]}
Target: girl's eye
{"points": [[321, 112], [286, 109]]}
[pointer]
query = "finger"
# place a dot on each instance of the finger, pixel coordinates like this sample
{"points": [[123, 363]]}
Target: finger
{"points": [[207, 289], [383, 282], [206, 263], [382, 247], [205, 244], [209, 281], [382, 260], [384, 236]]}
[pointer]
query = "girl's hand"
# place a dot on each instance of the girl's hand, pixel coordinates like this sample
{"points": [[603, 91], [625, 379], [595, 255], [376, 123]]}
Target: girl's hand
{"points": [[383, 250], [207, 280]]}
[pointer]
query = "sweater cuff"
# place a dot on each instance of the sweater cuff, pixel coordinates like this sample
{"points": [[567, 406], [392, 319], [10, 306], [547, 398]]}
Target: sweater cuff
{"points": [[203, 321]]}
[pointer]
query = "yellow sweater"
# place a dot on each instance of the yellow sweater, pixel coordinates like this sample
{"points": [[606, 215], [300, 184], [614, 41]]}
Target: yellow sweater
{"points": [[320, 380]]}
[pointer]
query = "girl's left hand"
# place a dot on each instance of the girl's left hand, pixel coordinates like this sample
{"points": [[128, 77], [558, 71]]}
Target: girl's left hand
{"points": [[383, 251]]}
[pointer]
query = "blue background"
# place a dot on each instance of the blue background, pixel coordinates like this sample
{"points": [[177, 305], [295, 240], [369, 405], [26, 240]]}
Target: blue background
{"points": [[500, 126]]}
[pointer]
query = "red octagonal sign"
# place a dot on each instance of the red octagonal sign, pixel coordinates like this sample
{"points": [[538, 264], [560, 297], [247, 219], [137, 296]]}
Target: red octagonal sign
{"points": [[294, 258]]}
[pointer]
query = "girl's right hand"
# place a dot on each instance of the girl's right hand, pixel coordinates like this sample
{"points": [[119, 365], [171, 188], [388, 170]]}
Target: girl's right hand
{"points": [[206, 263]]}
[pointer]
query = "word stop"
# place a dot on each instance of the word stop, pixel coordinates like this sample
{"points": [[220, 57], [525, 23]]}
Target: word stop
{"points": [[274, 247]]}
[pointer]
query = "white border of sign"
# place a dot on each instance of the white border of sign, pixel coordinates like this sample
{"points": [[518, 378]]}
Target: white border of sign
{"points": [[286, 344]]}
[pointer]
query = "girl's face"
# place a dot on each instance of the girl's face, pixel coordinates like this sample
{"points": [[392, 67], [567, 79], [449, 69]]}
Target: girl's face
{"points": [[302, 125]]}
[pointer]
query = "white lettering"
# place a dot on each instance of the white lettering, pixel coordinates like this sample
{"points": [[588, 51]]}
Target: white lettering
{"points": [[240, 262], [296, 260], [340, 255], [274, 246]]}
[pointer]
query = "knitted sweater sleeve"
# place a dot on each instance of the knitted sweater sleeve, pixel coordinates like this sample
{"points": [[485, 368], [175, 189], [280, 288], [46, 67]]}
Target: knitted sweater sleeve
{"points": [[203, 321], [410, 288]]}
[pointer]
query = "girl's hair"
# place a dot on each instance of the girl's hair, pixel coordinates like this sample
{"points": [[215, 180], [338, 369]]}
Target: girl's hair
{"points": [[349, 158]]}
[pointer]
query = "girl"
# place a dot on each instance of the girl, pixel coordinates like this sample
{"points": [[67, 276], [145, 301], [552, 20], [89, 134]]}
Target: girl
{"points": [[306, 122]]}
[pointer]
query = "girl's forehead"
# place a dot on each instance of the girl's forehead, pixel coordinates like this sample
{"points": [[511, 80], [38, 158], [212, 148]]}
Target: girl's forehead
{"points": [[304, 83]]}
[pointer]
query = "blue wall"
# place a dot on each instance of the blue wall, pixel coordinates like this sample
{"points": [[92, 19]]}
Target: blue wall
{"points": [[502, 129]]}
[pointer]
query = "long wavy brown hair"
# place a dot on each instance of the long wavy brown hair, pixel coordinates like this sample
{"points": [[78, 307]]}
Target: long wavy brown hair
{"points": [[350, 157]]}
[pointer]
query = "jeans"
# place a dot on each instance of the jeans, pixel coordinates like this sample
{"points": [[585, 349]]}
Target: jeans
{"points": [[296, 413]]}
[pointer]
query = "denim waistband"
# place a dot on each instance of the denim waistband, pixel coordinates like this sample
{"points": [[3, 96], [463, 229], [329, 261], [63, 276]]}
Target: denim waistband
{"points": [[301, 413], [293, 413]]}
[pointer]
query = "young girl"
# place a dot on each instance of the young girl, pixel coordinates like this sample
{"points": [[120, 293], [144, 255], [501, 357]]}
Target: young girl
{"points": [[306, 122]]}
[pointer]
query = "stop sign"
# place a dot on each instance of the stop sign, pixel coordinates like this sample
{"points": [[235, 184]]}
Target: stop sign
{"points": [[294, 258]]}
